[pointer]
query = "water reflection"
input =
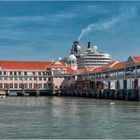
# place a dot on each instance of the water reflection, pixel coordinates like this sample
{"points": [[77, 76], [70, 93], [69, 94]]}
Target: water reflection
{"points": [[68, 117]]}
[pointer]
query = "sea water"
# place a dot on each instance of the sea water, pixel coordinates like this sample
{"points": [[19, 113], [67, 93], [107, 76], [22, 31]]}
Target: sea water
{"points": [[68, 117]]}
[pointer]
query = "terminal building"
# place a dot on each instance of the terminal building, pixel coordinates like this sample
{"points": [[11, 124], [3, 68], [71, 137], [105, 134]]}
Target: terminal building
{"points": [[34, 77]]}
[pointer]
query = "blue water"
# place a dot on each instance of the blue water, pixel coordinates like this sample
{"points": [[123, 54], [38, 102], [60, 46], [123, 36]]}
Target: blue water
{"points": [[68, 117]]}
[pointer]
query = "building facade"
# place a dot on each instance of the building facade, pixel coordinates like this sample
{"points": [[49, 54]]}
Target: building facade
{"points": [[40, 77], [28, 76]]}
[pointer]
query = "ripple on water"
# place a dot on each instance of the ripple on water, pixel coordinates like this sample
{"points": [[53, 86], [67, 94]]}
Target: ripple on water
{"points": [[68, 117]]}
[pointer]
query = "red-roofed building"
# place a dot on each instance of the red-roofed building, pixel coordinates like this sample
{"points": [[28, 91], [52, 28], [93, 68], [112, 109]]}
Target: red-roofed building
{"points": [[40, 76], [136, 59], [24, 65], [32, 75]]}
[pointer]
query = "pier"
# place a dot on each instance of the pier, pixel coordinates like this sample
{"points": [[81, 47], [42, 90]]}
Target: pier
{"points": [[116, 80]]}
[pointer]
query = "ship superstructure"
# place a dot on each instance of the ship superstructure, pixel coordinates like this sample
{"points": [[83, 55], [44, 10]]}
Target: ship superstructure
{"points": [[89, 57]]}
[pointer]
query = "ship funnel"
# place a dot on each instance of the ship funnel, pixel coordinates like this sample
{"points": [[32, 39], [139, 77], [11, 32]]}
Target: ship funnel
{"points": [[75, 47], [88, 45]]}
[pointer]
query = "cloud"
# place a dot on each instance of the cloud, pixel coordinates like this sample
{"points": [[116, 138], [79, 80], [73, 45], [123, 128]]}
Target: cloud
{"points": [[109, 23], [40, 18]]}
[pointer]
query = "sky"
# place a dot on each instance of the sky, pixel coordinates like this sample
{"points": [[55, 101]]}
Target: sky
{"points": [[45, 30]]}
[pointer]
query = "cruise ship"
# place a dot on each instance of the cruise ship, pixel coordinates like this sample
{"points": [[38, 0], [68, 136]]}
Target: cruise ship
{"points": [[89, 57]]}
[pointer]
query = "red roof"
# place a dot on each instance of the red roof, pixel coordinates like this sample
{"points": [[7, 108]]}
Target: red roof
{"points": [[110, 64], [114, 65], [70, 70], [136, 58], [119, 65], [58, 64], [90, 68], [80, 71], [97, 69], [25, 65]]}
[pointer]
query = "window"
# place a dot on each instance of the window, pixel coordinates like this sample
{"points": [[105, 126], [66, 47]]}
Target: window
{"points": [[11, 73], [30, 78], [26, 85], [15, 73], [40, 78], [0, 78], [20, 85], [1, 85], [20, 78], [44, 78], [35, 85], [4, 73], [16, 78], [30, 85], [11, 78], [44, 73], [5, 78], [33, 73], [11, 85], [5, 85], [49, 79], [0, 72], [68, 78], [40, 85], [39, 73], [19, 72], [15, 85], [45, 85], [35, 78], [25, 73], [26, 78]]}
